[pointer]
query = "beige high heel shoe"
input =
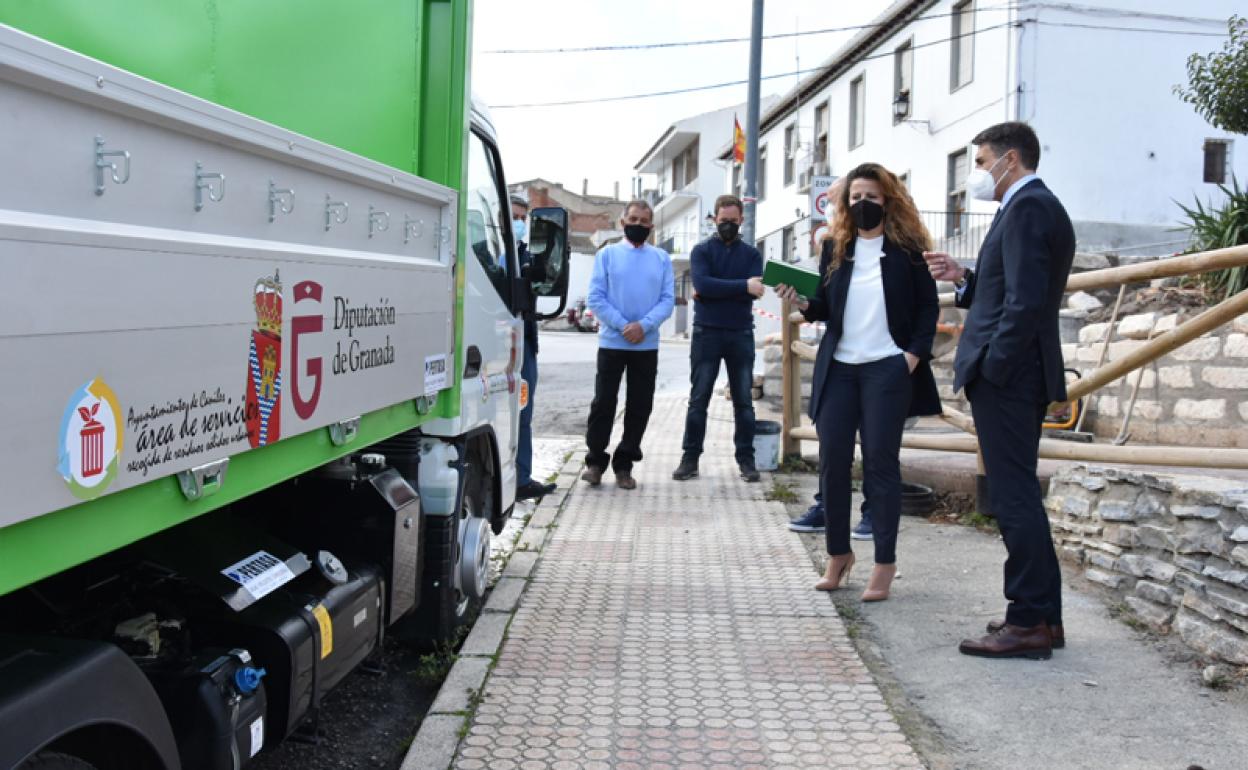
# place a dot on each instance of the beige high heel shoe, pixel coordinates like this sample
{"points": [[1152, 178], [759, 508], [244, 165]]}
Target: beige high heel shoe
{"points": [[837, 572], [881, 579]]}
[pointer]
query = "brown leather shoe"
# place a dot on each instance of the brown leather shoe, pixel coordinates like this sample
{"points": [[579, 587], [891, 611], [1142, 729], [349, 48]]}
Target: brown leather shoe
{"points": [[593, 475], [1055, 632], [625, 481], [1011, 642]]}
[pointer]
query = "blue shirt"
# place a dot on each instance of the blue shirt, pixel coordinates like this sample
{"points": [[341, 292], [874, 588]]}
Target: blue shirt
{"points": [[631, 283], [720, 277]]}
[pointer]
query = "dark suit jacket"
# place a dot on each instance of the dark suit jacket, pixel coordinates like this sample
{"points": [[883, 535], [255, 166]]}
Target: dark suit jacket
{"points": [[912, 307], [1015, 292]]}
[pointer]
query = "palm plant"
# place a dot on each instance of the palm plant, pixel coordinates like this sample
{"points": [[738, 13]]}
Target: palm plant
{"points": [[1219, 227]]}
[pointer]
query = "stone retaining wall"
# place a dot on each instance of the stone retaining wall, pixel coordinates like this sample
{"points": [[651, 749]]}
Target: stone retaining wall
{"points": [[1174, 548], [1195, 396]]}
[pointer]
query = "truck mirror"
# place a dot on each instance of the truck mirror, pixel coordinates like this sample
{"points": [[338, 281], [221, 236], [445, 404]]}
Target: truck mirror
{"points": [[548, 248]]}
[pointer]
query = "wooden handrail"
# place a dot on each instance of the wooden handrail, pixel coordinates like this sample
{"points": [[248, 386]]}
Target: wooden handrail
{"points": [[1168, 267], [795, 351], [1191, 457], [1190, 329]]}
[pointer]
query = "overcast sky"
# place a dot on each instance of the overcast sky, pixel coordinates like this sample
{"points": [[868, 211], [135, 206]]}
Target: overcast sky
{"points": [[602, 142]]}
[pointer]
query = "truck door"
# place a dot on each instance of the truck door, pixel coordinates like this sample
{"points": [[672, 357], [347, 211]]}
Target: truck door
{"points": [[491, 324]]}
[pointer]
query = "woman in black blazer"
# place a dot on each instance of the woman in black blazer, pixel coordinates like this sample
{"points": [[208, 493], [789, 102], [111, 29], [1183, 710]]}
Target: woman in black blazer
{"points": [[879, 301]]}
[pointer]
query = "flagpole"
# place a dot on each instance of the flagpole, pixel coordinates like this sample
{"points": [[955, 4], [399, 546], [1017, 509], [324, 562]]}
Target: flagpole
{"points": [[751, 122]]}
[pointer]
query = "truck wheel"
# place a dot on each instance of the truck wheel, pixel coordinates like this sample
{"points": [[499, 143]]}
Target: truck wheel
{"points": [[457, 567], [54, 760]]}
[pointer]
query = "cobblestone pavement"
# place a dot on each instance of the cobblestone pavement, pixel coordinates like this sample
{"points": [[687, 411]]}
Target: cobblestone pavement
{"points": [[674, 626]]}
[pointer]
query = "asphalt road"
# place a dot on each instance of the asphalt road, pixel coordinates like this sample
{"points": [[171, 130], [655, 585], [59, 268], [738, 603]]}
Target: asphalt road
{"points": [[566, 363]]}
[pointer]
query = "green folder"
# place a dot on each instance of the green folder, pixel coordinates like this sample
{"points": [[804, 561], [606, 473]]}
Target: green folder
{"points": [[805, 281]]}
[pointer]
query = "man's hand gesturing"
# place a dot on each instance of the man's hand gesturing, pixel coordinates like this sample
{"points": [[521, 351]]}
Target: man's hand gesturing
{"points": [[943, 267]]}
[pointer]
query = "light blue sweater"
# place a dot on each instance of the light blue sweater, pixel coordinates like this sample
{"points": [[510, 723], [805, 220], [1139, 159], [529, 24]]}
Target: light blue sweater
{"points": [[631, 283]]}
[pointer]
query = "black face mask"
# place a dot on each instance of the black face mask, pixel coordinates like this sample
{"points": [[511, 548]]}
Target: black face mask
{"points": [[728, 230], [636, 233], [867, 215]]}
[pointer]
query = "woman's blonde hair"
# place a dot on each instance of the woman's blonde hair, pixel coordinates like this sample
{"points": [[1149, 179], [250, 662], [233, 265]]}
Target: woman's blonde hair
{"points": [[902, 224]]}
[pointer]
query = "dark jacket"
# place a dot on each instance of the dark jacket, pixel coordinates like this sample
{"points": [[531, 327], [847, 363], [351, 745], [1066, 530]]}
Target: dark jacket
{"points": [[1015, 292], [912, 307], [721, 273]]}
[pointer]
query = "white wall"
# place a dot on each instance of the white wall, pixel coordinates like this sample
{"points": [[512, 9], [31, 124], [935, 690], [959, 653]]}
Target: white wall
{"points": [[1100, 100], [1117, 144]]}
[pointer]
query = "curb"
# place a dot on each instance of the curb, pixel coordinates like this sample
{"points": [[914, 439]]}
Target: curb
{"points": [[440, 732]]}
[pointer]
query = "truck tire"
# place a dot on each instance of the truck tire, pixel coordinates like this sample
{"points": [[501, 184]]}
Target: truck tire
{"points": [[54, 760], [457, 563]]}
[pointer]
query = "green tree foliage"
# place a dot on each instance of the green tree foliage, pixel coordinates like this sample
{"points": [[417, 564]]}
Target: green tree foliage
{"points": [[1218, 83]]}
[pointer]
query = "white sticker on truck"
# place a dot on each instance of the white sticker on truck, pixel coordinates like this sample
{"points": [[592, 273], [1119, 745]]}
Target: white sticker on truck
{"points": [[436, 378], [259, 574], [257, 736]]}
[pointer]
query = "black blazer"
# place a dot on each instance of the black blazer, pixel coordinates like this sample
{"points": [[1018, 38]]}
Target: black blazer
{"points": [[912, 307], [1015, 292]]}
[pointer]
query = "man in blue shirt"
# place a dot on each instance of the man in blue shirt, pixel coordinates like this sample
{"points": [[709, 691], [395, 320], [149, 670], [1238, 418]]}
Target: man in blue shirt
{"points": [[726, 281], [632, 293]]}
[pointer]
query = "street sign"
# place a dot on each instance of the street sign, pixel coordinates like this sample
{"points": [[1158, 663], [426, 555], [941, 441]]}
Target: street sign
{"points": [[819, 203]]}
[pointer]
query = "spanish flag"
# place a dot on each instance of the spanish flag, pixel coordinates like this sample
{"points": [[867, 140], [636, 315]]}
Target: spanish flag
{"points": [[738, 141]]}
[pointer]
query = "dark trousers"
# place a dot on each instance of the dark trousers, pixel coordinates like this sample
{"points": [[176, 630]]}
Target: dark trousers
{"points": [[1008, 420], [735, 347], [873, 399], [641, 367], [524, 441]]}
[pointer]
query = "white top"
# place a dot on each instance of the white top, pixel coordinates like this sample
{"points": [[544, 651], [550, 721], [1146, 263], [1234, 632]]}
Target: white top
{"points": [[864, 335]]}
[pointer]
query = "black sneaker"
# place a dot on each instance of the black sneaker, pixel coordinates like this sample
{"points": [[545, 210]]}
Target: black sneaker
{"points": [[533, 490], [813, 520], [749, 472], [686, 470]]}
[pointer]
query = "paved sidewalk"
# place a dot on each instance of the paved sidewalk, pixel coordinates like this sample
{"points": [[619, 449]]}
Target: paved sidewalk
{"points": [[674, 626]]}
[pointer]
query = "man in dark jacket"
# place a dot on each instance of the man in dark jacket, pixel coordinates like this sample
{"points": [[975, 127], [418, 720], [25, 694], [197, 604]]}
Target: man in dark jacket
{"points": [[727, 278], [1009, 361], [527, 487]]}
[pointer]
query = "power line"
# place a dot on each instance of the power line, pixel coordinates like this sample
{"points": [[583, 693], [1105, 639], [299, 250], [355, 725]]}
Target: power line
{"points": [[719, 41], [692, 89], [888, 54], [1129, 29]]}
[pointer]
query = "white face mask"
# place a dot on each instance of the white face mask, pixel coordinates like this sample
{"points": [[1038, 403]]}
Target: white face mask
{"points": [[981, 184]]}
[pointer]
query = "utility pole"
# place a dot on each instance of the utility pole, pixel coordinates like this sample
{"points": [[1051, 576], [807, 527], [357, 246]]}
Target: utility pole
{"points": [[751, 122]]}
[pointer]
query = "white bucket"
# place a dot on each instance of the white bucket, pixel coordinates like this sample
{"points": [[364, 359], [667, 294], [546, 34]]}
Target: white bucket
{"points": [[767, 445]]}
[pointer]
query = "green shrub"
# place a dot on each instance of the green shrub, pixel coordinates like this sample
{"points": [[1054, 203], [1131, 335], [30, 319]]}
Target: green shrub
{"points": [[1220, 227]]}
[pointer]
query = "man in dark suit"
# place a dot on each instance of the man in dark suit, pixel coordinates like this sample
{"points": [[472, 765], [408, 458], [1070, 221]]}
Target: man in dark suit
{"points": [[1009, 361]]}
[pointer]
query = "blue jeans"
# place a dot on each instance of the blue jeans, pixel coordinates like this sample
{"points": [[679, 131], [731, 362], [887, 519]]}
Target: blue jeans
{"points": [[524, 442], [735, 347]]}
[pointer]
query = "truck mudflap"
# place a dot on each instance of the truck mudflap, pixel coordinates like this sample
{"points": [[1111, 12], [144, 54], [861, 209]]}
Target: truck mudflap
{"points": [[221, 284], [52, 688]]}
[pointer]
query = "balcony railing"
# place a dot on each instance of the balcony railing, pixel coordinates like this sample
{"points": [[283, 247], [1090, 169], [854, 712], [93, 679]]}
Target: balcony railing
{"points": [[959, 233]]}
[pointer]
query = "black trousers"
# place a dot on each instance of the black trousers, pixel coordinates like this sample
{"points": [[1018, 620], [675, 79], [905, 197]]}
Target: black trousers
{"points": [[874, 399], [1008, 419], [641, 368]]}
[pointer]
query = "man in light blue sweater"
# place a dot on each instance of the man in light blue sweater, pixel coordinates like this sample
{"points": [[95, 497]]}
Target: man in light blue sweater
{"points": [[632, 292]]}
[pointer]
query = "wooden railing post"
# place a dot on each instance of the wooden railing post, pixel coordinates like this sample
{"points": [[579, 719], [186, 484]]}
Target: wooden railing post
{"points": [[791, 384]]}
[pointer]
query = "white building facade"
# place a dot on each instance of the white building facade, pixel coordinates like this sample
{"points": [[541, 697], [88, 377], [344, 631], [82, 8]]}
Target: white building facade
{"points": [[1095, 80]]}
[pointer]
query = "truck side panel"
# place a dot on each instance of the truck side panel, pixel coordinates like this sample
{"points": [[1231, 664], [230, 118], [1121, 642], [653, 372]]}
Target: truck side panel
{"points": [[212, 49]]}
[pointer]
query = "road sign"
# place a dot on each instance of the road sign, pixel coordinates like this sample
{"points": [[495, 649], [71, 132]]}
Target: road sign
{"points": [[819, 203]]}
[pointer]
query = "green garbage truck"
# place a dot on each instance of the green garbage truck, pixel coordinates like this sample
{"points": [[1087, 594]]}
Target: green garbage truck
{"points": [[261, 334]]}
